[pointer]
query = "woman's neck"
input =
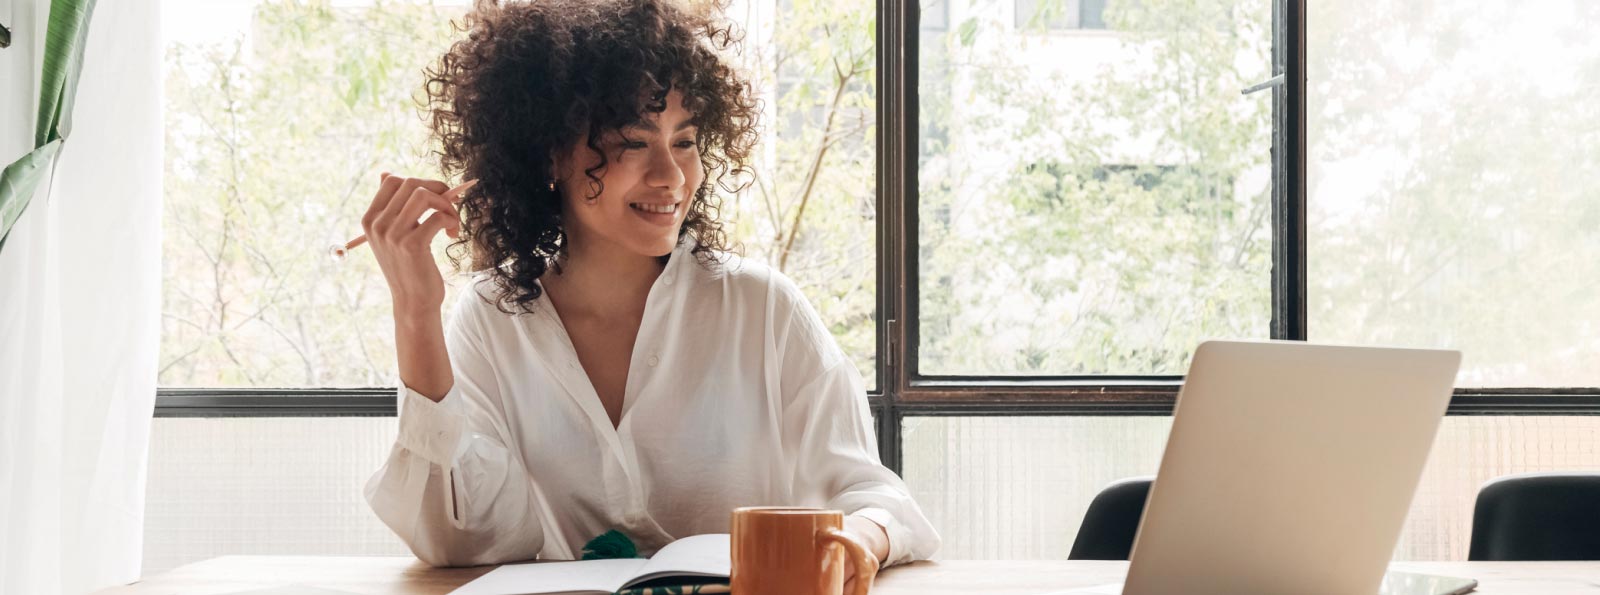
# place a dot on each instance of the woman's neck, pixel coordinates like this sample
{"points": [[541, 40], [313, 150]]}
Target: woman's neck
{"points": [[602, 280]]}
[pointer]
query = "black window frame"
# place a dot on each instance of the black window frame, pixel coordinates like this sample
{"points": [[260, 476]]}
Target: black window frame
{"points": [[904, 392]]}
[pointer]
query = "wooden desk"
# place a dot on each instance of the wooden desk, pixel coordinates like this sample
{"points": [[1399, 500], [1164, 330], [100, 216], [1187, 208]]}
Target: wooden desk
{"points": [[406, 576]]}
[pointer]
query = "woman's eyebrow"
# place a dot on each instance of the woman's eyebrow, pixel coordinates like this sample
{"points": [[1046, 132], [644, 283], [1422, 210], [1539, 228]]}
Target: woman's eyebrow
{"points": [[648, 126]]}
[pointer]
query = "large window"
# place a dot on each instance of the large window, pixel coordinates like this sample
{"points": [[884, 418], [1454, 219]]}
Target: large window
{"points": [[1019, 234], [1455, 183], [281, 115]]}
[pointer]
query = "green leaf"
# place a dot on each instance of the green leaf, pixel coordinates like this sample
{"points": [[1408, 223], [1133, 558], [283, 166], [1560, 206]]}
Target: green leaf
{"points": [[65, 36], [968, 32], [63, 61], [19, 181], [611, 544]]}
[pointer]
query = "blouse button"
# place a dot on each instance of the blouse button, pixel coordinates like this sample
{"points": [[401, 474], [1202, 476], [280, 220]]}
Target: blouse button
{"points": [[654, 360]]}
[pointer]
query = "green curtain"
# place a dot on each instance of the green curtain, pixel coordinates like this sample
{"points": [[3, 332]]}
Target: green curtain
{"points": [[65, 33]]}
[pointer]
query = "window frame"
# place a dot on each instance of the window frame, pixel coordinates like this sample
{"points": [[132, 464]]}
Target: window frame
{"points": [[904, 392]]}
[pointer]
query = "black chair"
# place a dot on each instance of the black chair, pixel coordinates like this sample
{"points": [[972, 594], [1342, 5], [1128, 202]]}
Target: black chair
{"points": [[1542, 516], [1112, 521]]}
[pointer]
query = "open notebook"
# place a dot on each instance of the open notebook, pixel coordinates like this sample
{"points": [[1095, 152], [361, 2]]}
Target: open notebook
{"points": [[698, 564]]}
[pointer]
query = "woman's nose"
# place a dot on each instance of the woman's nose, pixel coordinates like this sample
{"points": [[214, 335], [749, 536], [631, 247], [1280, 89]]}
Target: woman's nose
{"points": [[664, 171]]}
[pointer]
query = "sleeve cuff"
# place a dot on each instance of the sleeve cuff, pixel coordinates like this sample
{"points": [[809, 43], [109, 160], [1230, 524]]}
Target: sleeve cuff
{"points": [[893, 530], [434, 431]]}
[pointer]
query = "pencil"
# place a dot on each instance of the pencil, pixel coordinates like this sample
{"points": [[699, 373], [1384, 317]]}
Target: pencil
{"points": [[339, 251]]}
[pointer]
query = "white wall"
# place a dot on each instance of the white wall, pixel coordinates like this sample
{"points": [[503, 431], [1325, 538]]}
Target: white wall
{"points": [[19, 71]]}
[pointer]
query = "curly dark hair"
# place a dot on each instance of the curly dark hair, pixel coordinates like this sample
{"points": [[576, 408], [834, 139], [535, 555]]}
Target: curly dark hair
{"points": [[531, 79]]}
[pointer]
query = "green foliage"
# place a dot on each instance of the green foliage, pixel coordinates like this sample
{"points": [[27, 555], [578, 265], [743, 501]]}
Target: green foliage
{"points": [[812, 209], [273, 150], [19, 182], [1455, 200], [275, 145], [1090, 202], [1100, 222], [65, 32], [611, 544], [65, 36]]}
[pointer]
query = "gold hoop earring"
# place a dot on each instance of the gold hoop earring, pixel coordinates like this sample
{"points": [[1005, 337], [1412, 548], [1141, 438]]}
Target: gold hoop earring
{"points": [[552, 185]]}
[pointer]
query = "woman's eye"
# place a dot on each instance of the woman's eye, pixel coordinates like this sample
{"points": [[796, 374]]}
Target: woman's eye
{"points": [[633, 144], [685, 144]]}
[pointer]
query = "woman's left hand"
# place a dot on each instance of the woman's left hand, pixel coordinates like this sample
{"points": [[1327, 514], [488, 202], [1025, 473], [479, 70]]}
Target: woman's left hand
{"points": [[870, 535]]}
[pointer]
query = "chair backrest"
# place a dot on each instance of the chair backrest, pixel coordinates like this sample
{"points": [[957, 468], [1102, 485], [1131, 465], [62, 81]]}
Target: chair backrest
{"points": [[1112, 521], [1542, 516]]}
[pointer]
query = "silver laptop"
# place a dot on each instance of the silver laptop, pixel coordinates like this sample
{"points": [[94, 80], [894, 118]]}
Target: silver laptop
{"points": [[1290, 469]]}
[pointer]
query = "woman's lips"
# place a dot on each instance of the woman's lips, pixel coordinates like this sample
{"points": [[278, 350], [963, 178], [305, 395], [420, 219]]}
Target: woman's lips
{"points": [[652, 216]]}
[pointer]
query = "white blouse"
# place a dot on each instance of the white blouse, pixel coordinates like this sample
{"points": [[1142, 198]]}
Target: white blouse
{"points": [[736, 395]]}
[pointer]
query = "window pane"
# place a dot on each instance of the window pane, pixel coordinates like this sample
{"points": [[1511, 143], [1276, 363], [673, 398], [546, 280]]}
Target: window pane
{"points": [[1094, 200], [1017, 487], [812, 210], [281, 116], [290, 486], [1453, 162]]}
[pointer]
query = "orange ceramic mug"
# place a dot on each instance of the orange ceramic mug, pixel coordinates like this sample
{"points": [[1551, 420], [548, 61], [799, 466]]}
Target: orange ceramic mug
{"points": [[796, 551]]}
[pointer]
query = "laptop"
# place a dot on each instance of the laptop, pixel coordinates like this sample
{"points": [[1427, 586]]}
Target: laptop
{"points": [[1290, 469]]}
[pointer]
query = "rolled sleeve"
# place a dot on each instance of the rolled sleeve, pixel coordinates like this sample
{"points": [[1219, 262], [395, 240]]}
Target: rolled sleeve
{"points": [[432, 430], [899, 535]]}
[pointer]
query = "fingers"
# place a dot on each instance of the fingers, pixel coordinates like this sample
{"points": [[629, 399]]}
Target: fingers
{"points": [[389, 212], [408, 186], [386, 190], [420, 201], [435, 222], [423, 199]]}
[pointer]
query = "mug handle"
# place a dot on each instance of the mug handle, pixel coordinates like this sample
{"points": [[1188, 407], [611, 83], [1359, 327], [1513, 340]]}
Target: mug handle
{"points": [[866, 563]]}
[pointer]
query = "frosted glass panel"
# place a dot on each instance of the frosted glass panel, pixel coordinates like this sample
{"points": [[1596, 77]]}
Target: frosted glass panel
{"points": [[995, 487], [1018, 487], [224, 486], [1473, 450]]}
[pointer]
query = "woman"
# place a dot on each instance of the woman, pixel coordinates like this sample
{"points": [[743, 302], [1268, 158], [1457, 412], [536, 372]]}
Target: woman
{"points": [[611, 366]]}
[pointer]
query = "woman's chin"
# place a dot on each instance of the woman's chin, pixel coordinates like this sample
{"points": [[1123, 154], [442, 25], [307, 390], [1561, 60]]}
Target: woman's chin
{"points": [[658, 246]]}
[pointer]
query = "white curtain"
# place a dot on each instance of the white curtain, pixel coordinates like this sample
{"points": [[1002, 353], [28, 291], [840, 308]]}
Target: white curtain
{"points": [[80, 300]]}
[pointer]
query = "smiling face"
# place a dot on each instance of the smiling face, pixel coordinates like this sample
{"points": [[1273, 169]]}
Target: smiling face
{"points": [[651, 174]]}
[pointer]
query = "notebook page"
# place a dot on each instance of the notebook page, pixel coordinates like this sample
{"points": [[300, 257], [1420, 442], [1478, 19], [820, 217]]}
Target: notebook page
{"points": [[586, 576], [697, 555]]}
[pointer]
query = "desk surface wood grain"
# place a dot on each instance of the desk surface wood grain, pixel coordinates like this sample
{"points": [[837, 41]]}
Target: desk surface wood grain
{"points": [[407, 576]]}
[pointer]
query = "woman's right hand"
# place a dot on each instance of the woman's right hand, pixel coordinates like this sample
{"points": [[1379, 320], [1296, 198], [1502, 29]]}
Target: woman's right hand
{"points": [[402, 245]]}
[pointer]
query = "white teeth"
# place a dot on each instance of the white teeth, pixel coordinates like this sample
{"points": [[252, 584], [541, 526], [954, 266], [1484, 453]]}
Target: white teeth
{"points": [[655, 208]]}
